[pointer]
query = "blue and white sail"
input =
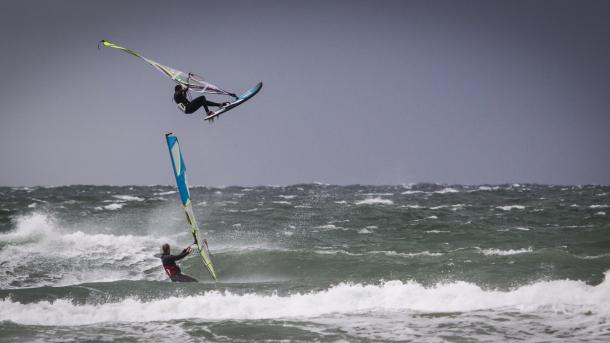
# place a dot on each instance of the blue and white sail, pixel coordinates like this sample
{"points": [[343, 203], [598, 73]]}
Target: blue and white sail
{"points": [[180, 174]]}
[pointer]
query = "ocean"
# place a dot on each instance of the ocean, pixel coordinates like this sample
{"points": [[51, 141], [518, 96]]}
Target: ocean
{"points": [[308, 262]]}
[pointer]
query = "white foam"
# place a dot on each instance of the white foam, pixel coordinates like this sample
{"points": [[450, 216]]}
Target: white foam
{"points": [[287, 197], [112, 207], [411, 192], [439, 207], [166, 193], [330, 227], [447, 190], [595, 257], [411, 206], [498, 252], [511, 207], [364, 231], [282, 202], [600, 213], [375, 201], [128, 198], [39, 245], [335, 252], [250, 210], [560, 296], [402, 254], [598, 206], [31, 227]]}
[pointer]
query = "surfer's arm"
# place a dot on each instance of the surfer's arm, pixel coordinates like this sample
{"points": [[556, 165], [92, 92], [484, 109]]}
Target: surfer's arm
{"points": [[181, 255], [188, 81]]}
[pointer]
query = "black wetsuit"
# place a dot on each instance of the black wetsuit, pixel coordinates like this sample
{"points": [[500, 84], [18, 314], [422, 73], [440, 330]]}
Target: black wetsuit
{"points": [[172, 269], [192, 106]]}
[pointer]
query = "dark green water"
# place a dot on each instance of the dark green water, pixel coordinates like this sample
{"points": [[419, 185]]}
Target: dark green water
{"points": [[308, 263]]}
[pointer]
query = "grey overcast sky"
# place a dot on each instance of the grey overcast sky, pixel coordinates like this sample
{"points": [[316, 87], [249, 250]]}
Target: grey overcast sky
{"points": [[369, 92]]}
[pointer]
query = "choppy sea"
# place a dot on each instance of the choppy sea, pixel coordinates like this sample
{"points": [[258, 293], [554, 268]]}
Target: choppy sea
{"points": [[310, 262]]}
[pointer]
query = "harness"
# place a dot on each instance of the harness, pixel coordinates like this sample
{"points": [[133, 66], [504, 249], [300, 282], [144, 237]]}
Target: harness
{"points": [[170, 270]]}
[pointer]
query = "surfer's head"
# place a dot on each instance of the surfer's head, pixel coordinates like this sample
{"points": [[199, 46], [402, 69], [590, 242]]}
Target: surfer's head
{"points": [[178, 88], [165, 248]]}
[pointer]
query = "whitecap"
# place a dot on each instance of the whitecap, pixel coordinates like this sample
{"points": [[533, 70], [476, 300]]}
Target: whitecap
{"points": [[402, 254], [447, 190], [499, 252], [559, 296], [282, 202], [127, 198], [411, 206], [110, 207], [374, 201], [166, 193], [411, 192], [510, 207]]}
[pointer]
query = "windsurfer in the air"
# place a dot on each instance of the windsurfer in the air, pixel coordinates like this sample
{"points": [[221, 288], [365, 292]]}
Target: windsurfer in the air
{"points": [[169, 264], [188, 106]]}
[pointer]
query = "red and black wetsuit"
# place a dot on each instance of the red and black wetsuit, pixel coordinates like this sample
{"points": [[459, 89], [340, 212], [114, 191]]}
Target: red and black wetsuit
{"points": [[172, 269], [192, 106]]}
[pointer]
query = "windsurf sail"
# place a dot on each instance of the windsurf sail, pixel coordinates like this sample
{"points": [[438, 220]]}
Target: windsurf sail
{"points": [[194, 82], [185, 197]]}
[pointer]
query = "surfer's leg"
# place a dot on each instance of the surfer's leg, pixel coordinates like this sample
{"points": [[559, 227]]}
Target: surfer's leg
{"points": [[196, 104], [183, 278]]}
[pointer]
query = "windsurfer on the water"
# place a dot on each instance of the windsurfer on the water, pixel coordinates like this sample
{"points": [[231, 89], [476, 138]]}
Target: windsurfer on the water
{"points": [[169, 264]]}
